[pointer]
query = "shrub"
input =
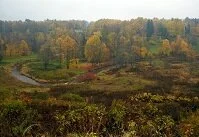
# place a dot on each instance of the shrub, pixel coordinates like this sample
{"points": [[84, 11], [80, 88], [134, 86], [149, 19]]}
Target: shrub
{"points": [[83, 135], [86, 66], [116, 115], [189, 127], [158, 127], [40, 95], [4, 94], [15, 117], [150, 110], [132, 129], [71, 97], [87, 77], [88, 119]]}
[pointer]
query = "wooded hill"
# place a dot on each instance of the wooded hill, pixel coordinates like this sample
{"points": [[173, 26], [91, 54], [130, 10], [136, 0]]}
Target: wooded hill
{"points": [[100, 41]]}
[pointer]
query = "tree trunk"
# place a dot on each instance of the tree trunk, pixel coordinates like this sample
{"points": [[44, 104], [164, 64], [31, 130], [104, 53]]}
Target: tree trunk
{"points": [[68, 65], [45, 65]]}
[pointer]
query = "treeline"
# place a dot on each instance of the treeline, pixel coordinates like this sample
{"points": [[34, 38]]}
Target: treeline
{"points": [[104, 40]]}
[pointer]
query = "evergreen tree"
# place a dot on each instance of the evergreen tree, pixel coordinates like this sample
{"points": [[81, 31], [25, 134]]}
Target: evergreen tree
{"points": [[149, 28]]}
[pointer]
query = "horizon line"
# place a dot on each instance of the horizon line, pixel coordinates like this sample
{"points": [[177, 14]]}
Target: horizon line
{"points": [[100, 19]]}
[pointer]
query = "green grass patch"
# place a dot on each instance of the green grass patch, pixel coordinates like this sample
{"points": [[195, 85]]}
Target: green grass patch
{"points": [[158, 63], [120, 82], [196, 47], [17, 59], [53, 72], [154, 46]]}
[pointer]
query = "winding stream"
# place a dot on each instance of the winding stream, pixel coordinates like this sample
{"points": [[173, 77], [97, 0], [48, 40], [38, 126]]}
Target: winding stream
{"points": [[15, 73]]}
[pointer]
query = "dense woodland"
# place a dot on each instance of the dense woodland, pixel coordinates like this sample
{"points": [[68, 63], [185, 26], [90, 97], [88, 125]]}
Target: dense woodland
{"points": [[108, 78], [104, 40]]}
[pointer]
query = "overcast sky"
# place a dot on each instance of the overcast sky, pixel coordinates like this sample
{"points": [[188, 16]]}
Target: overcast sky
{"points": [[92, 10]]}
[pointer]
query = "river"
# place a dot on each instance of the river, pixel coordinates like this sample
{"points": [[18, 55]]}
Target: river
{"points": [[15, 73]]}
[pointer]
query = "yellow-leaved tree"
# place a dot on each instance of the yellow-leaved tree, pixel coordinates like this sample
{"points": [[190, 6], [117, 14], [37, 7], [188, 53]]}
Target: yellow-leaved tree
{"points": [[165, 48], [66, 49], [95, 50], [10, 50], [24, 49], [182, 48]]}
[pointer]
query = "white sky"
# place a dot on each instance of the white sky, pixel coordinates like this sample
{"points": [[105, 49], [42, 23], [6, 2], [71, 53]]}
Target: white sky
{"points": [[92, 10]]}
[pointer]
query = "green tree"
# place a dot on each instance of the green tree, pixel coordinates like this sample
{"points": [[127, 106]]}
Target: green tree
{"points": [[122, 54], [39, 40], [1, 49], [187, 29], [175, 27], [46, 54], [138, 48], [149, 28], [162, 30], [112, 44]]}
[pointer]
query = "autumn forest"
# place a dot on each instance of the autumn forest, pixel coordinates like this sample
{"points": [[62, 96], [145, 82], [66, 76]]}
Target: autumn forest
{"points": [[104, 78]]}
